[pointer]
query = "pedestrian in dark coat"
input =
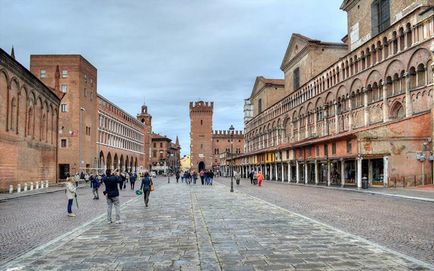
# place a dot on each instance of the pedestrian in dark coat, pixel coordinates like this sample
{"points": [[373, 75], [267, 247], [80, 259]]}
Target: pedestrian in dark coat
{"points": [[146, 187], [112, 193]]}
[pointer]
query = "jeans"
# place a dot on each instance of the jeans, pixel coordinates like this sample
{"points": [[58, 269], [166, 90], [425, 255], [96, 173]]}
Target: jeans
{"points": [[95, 193], [146, 196], [70, 206], [132, 184], [201, 179], [110, 202]]}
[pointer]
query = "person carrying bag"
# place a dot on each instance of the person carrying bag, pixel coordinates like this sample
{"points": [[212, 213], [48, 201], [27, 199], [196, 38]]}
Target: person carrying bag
{"points": [[147, 186]]}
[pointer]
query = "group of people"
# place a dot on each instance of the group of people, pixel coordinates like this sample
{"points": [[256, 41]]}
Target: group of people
{"points": [[113, 182], [206, 177], [256, 178]]}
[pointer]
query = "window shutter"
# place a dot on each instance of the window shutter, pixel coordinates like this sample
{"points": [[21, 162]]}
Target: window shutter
{"points": [[374, 18], [384, 15]]}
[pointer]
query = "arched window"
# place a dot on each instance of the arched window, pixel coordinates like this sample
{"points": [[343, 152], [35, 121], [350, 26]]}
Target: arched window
{"points": [[412, 74], [13, 114], [397, 111], [420, 75], [409, 35], [30, 122]]}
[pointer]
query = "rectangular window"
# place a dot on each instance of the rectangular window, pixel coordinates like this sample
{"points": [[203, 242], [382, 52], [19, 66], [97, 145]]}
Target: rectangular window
{"points": [[63, 143], [326, 149], [201, 122], [64, 88], [42, 74], [259, 106], [296, 78], [88, 130], [154, 154], [380, 16], [333, 148], [317, 150], [161, 144], [64, 74], [309, 151], [63, 108], [155, 145], [349, 146]]}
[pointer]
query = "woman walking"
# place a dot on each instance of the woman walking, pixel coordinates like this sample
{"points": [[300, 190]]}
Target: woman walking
{"points": [[70, 194], [260, 178], [146, 187]]}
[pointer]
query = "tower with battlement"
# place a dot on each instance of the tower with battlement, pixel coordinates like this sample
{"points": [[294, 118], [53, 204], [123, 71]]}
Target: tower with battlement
{"points": [[146, 119], [201, 155]]}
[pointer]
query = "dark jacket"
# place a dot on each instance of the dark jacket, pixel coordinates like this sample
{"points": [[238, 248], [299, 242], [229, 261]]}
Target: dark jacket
{"points": [[94, 181], [111, 186], [146, 183]]}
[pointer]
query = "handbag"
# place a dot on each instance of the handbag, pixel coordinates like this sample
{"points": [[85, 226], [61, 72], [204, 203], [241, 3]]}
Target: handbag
{"points": [[152, 186]]}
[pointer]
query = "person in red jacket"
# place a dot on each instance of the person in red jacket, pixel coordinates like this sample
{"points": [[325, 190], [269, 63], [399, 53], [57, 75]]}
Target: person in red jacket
{"points": [[260, 177]]}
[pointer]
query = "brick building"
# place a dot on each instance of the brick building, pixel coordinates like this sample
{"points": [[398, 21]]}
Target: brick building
{"points": [[146, 119], [360, 108], [206, 145], [28, 125], [78, 110], [120, 138], [166, 156]]}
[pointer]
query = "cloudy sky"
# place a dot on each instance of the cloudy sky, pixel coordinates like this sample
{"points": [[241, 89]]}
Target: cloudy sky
{"points": [[170, 52]]}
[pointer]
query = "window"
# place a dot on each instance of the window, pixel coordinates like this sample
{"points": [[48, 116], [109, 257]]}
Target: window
{"points": [[296, 78], [201, 146], [326, 149], [380, 16], [42, 74], [155, 145], [88, 130], [64, 88], [201, 122], [63, 143], [317, 150], [64, 74], [161, 144], [64, 108], [333, 148], [216, 151], [154, 154], [349, 146], [259, 106]]}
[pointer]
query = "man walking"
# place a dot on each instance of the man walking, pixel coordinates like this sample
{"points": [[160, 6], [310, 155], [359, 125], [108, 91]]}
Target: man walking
{"points": [[94, 183], [112, 193], [202, 176], [251, 176]]}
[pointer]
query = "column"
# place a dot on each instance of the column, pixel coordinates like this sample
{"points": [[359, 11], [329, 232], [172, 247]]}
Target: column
{"points": [[289, 172], [297, 173], [342, 172], [370, 171], [365, 102], [328, 173], [359, 172], [408, 103], [283, 171], [386, 171], [316, 172], [276, 172], [305, 172], [265, 171], [336, 118], [385, 103]]}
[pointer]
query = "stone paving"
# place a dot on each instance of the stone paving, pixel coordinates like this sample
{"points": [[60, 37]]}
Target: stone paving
{"points": [[209, 228]]}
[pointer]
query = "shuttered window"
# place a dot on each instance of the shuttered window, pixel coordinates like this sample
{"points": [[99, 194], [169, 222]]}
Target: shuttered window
{"points": [[380, 16], [296, 78]]}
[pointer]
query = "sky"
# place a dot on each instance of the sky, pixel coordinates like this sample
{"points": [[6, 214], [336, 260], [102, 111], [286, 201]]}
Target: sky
{"points": [[168, 53]]}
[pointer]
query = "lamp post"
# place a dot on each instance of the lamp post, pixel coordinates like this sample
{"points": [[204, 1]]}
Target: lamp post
{"points": [[80, 164], [231, 132]]}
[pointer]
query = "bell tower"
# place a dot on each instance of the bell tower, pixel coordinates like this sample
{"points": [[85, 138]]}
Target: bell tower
{"points": [[201, 154], [146, 119]]}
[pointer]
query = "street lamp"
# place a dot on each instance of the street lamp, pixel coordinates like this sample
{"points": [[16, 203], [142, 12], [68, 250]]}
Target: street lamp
{"points": [[231, 132]]}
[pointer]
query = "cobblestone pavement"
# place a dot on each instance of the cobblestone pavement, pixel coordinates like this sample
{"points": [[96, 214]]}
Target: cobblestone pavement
{"points": [[209, 228], [27, 222], [404, 225]]}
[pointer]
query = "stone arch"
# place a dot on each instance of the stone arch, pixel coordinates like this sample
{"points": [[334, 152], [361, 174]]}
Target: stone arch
{"points": [[121, 163], [127, 164], [109, 164], [116, 162], [421, 55], [12, 117], [397, 111], [395, 66], [374, 76], [101, 162]]}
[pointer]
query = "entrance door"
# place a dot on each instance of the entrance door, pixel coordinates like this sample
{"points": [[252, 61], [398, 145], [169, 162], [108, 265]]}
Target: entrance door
{"points": [[201, 166], [63, 170]]}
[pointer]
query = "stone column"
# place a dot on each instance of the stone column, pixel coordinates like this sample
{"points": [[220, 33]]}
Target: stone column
{"points": [[386, 171], [328, 173], [342, 172], [265, 171], [385, 104], [365, 102], [283, 172], [289, 172], [370, 171], [297, 173], [408, 102], [359, 172], [316, 172], [305, 172], [336, 118]]}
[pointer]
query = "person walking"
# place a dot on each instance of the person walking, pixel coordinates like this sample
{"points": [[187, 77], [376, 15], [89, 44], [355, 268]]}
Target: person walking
{"points": [[112, 193], [133, 179], [94, 183], [202, 176], [210, 177], [146, 187], [251, 176], [237, 176], [194, 177], [70, 191], [177, 176], [77, 179], [260, 178]]}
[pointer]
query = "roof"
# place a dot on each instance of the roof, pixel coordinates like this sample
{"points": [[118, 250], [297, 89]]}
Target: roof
{"points": [[266, 83], [160, 137], [306, 42]]}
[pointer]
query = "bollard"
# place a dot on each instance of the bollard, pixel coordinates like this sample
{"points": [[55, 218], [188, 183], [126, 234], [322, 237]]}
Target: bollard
{"points": [[37, 185], [46, 183], [19, 188], [31, 186], [11, 189], [25, 187]]}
